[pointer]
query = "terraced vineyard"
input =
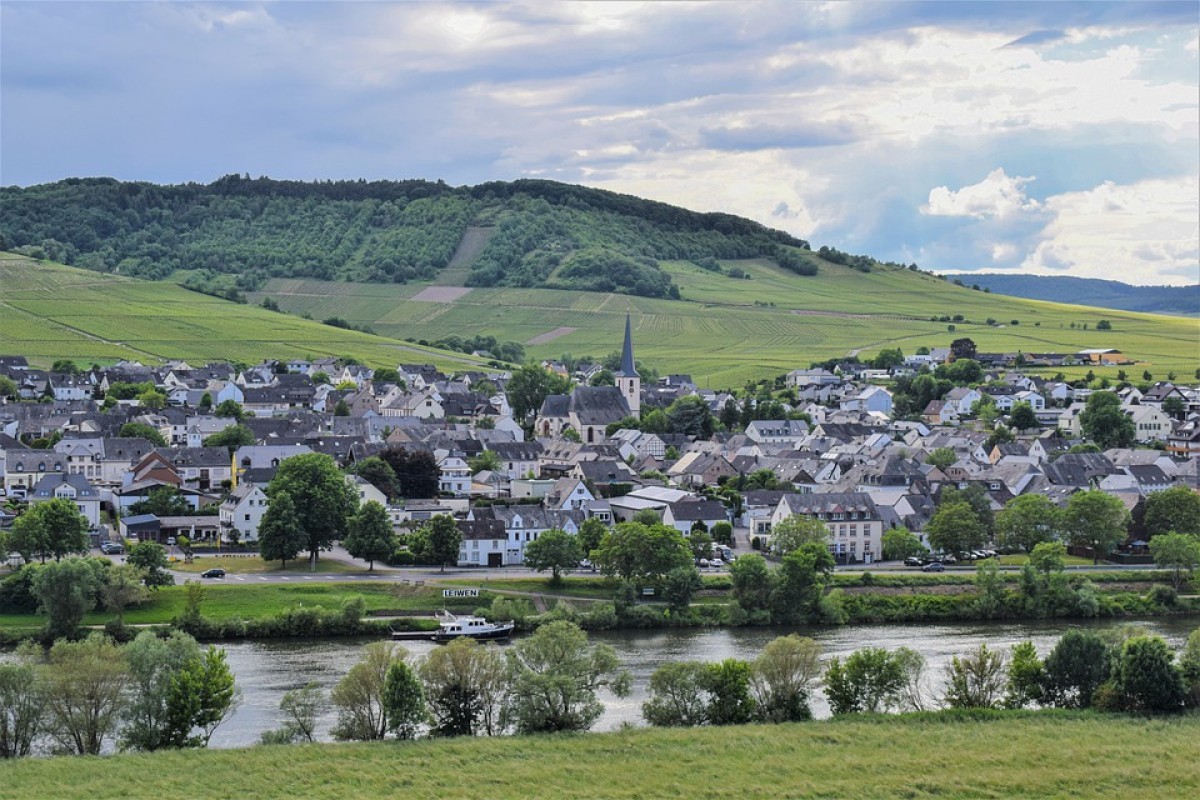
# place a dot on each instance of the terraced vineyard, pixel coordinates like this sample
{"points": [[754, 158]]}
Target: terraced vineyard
{"points": [[48, 311], [729, 330]]}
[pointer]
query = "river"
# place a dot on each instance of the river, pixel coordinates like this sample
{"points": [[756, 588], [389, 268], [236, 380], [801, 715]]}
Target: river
{"points": [[264, 670]]}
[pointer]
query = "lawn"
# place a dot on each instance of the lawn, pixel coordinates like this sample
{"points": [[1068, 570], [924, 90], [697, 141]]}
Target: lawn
{"points": [[1019, 560], [253, 565], [1025, 755]]}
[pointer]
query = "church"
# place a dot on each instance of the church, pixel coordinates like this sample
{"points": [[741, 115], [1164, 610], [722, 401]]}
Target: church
{"points": [[589, 410]]}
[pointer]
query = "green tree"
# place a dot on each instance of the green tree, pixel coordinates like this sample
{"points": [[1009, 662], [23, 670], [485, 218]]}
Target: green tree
{"points": [[795, 531], [1026, 677], [358, 696], [140, 430], [554, 675], [591, 533], [1076, 667], [300, 709], [1174, 407], [1022, 417], [231, 438], [1189, 661], [1146, 678], [417, 471], [403, 701], [151, 559], [465, 689], [85, 693], [486, 460], [22, 703], [152, 664], [529, 386], [976, 680], [123, 586], [54, 528], [152, 399], [870, 680], [722, 533], [554, 550], [1105, 422], [386, 375], [280, 535], [370, 534], [691, 416], [1048, 557], [164, 501], [901, 543], [942, 457], [201, 696], [65, 366], [751, 582], [799, 584], [680, 585], [206, 401], [979, 500], [315, 484], [782, 679], [699, 542], [1097, 520], [379, 474], [637, 552], [8, 387], [677, 695], [728, 685], [66, 590], [1177, 552], [230, 408], [443, 540], [1027, 521], [1176, 509], [954, 528]]}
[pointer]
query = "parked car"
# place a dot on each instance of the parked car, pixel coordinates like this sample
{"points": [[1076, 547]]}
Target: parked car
{"points": [[914, 561], [934, 566], [215, 572], [112, 548]]}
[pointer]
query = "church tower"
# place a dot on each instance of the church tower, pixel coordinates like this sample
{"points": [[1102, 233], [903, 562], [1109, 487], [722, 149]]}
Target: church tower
{"points": [[628, 380]]}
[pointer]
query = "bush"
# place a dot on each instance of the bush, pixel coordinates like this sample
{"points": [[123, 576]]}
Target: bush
{"points": [[16, 591], [1163, 596]]}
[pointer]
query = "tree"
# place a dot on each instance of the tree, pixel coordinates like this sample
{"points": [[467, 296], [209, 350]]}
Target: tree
{"points": [[152, 664], [901, 543], [231, 438], [1048, 557], [358, 696], [795, 531], [1104, 325], [722, 533], [201, 696], [65, 366], [280, 535], [977, 680], [1076, 667], [1027, 521], [870, 680], [54, 528], [164, 501], [962, 348], [942, 457], [443, 539], [316, 485], [979, 500], [486, 460], [403, 701], [300, 708], [386, 375], [152, 399], [554, 550], [677, 696], [1176, 509], [530, 386], [800, 583], [123, 586], [699, 542], [378, 473], [751, 582], [1022, 417], [140, 430], [691, 416], [728, 686], [637, 552], [1105, 422], [231, 409], [465, 689], [1026, 677], [1097, 520], [1146, 678], [554, 676], [1177, 552], [1189, 662], [782, 677], [66, 590], [206, 401], [22, 704], [954, 528], [151, 558], [370, 534], [85, 692], [591, 533], [417, 471], [680, 585]]}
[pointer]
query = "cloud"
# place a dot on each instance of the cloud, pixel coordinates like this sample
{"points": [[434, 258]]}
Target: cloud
{"points": [[997, 195]]}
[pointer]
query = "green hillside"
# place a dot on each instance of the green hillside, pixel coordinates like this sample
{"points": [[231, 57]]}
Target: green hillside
{"points": [[728, 330], [997, 755], [49, 311]]}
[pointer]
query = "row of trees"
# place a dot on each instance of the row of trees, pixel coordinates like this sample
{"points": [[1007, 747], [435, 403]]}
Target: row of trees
{"points": [[77, 697]]}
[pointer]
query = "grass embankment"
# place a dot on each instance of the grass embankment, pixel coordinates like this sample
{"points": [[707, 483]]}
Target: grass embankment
{"points": [[253, 565], [999, 755]]}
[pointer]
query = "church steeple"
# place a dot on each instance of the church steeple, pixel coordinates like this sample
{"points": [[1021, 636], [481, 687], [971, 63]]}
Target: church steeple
{"points": [[628, 380]]}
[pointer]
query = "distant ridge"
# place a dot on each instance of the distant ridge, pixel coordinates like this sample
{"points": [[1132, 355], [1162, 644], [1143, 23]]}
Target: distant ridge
{"points": [[1177, 300]]}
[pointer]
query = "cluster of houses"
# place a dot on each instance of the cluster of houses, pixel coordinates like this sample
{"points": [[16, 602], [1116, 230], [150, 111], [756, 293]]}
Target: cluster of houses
{"points": [[852, 466]]}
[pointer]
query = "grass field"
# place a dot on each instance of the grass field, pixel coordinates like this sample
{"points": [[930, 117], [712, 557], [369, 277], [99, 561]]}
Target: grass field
{"points": [[728, 330], [252, 565], [48, 311], [1009, 755]]}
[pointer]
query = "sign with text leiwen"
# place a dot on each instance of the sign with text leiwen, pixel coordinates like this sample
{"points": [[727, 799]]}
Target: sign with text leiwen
{"points": [[449, 593]]}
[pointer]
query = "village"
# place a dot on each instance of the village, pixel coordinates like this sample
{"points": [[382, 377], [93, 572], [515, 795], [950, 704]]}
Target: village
{"points": [[611, 448]]}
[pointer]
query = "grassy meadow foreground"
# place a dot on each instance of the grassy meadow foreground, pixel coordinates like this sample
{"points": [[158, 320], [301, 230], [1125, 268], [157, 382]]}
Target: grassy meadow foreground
{"points": [[994, 755]]}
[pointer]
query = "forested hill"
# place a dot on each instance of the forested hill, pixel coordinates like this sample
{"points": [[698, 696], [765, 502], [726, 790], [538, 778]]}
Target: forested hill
{"points": [[1181, 300], [231, 235]]}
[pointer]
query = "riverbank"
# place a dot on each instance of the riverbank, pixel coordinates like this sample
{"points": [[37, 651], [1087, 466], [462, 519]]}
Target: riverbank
{"points": [[984, 755]]}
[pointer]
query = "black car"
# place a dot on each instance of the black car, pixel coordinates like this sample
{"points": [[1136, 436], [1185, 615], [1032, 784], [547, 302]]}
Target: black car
{"points": [[215, 572]]}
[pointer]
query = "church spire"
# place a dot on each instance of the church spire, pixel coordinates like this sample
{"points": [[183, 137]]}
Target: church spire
{"points": [[627, 368]]}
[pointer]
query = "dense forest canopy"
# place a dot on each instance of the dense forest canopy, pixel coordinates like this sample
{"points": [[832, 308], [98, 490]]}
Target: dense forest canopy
{"points": [[233, 234]]}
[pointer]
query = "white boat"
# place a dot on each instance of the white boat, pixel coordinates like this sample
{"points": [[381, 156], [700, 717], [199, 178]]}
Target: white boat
{"points": [[469, 626]]}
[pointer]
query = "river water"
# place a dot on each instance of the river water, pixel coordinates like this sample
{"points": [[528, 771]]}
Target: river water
{"points": [[264, 670]]}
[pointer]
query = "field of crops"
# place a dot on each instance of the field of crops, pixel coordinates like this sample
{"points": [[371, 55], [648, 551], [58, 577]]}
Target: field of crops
{"points": [[728, 330], [49, 312]]}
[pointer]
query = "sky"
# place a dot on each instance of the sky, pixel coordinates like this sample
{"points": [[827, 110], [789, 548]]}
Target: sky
{"points": [[1033, 137]]}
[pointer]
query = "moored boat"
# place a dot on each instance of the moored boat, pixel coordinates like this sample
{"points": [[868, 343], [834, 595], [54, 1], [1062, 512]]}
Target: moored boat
{"points": [[451, 627]]}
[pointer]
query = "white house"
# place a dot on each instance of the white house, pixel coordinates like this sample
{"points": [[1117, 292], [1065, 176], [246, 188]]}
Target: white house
{"points": [[241, 512], [75, 488], [456, 476], [1150, 423], [855, 527]]}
